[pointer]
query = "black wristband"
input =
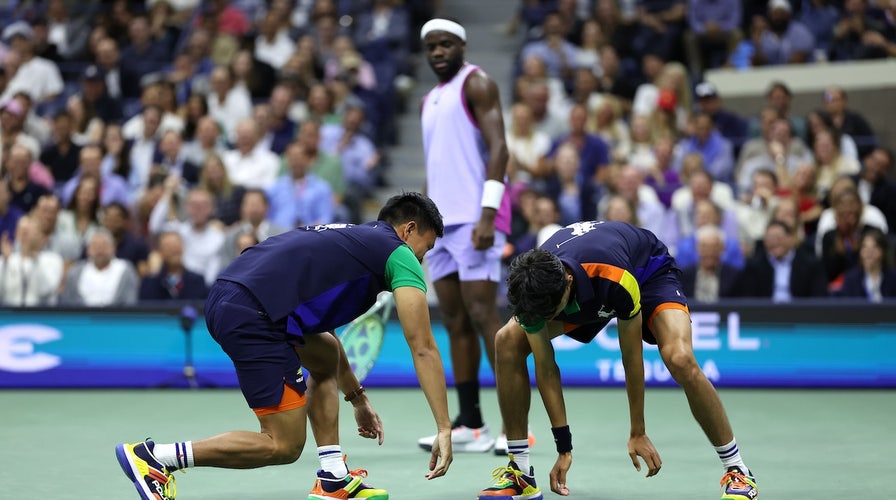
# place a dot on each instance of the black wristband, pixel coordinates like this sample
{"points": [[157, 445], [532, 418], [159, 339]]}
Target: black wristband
{"points": [[354, 394], [562, 438]]}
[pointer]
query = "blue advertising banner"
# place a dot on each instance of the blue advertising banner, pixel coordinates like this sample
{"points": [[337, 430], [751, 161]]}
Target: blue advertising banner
{"points": [[148, 349]]}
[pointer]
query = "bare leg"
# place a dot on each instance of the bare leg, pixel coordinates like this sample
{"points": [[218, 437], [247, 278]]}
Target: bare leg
{"points": [[280, 441], [321, 356], [672, 328], [514, 394], [480, 301], [465, 349]]}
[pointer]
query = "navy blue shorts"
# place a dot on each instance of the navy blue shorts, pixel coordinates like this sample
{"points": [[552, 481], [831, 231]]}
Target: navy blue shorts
{"points": [[662, 291], [261, 350]]}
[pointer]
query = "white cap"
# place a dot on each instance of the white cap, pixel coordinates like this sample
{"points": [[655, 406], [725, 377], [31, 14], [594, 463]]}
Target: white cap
{"points": [[779, 4]]}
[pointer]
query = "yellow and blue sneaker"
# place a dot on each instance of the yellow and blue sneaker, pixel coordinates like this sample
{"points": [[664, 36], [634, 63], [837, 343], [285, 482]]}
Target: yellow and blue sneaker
{"points": [[329, 486], [512, 484], [738, 486], [152, 479]]}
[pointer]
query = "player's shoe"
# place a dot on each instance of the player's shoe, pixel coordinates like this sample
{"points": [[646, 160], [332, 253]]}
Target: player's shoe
{"points": [[327, 486], [501, 443], [738, 486], [512, 484], [464, 439], [152, 479]]}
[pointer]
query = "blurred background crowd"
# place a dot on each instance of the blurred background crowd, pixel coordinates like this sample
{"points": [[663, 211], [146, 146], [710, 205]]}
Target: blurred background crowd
{"points": [[146, 143]]}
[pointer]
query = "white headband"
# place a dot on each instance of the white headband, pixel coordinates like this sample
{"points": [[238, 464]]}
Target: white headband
{"points": [[443, 25]]}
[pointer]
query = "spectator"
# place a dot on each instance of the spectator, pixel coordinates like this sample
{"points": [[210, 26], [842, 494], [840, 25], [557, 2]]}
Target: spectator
{"points": [[661, 26], [859, 34], [716, 150], [128, 246], [840, 245], [847, 121], [570, 188], [46, 216], [709, 278], [780, 152], [66, 34], [254, 77], [780, 98], [818, 121], [202, 237], [207, 141], [100, 280], [171, 159], [62, 155], [754, 209], [244, 241], [662, 176], [9, 214], [30, 275], [670, 92], [558, 54], [873, 278], [254, 220], [117, 159], [700, 186], [536, 95], [250, 165], [112, 187], [642, 154], [24, 191], [779, 39], [829, 162], [281, 128], [359, 156], [172, 281], [820, 17], [324, 165], [228, 104], [38, 77], [869, 215], [804, 192], [321, 107], [626, 181], [714, 33], [875, 186], [226, 196], [525, 146], [782, 271], [12, 119], [731, 125], [273, 44], [108, 60], [80, 219], [609, 125], [300, 197], [707, 213], [621, 209], [594, 154], [142, 56]]}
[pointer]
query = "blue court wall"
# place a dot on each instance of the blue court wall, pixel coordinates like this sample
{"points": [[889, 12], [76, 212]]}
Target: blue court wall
{"points": [[737, 345]]}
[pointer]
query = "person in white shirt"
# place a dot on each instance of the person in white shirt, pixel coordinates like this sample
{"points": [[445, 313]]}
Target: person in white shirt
{"points": [[29, 274], [249, 165], [101, 280], [37, 76], [228, 104], [273, 44]]}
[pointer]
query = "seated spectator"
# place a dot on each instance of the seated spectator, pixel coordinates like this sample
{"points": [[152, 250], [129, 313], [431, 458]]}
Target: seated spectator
{"points": [[782, 271], [547, 117], [570, 188], [608, 123], [731, 125], [171, 159], [847, 121], [804, 192], [9, 214], [326, 166], [38, 77], [321, 105], [706, 213], [869, 215], [626, 181], [660, 26], [152, 99], [621, 209], [780, 152], [558, 54], [62, 154], [128, 246], [112, 187], [779, 39], [281, 128], [100, 280], [300, 197], [273, 44], [253, 220], [700, 186], [716, 150], [829, 162], [818, 121], [243, 241], [754, 209], [141, 56], [670, 92], [860, 32], [840, 245], [23, 190], [207, 141], [713, 35], [709, 278], [30, 275], [663, 177], [226, 196], [117, 158], [641, 154], [779, 97], [875, 186], [359, 156], [593, 152], [820, 17], [228, 104], [96, 99], [525, 145], [873, 278], [250, 165], [172, 281], [80, 218]]}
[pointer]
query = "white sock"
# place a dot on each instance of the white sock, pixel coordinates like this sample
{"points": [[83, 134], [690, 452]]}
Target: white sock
{"points": [[331, 460], [174, 456], [519, 450], [729, 454]]}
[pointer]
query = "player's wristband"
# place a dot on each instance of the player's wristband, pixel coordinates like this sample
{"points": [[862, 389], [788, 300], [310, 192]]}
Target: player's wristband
{"points": [[354, 394], [562, 438], [492, 194]]}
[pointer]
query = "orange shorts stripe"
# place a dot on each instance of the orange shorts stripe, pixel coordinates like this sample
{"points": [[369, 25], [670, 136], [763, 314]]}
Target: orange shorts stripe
{"points": [[663, 307], [291, 400]]}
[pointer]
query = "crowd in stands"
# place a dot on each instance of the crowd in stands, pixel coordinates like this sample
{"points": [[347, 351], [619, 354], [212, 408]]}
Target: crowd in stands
{"points": [[145, 144], [612, 119]]}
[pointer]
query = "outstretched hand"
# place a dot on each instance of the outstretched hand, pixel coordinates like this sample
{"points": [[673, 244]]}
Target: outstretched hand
{"points": [[369, 424], [640, 446], [558, 473], [441, 457]]}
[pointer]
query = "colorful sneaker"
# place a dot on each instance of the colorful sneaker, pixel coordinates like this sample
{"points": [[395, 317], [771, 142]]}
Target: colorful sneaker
{"points": [[501, 443], [152, 479], [464, 439], [328, 486], [512, 484], [738, 486]]}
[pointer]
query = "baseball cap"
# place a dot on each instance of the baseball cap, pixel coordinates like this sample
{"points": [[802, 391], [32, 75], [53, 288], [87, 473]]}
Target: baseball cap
{"points": [[18, 28], [706, 89], [93, 72], [779, 4]]}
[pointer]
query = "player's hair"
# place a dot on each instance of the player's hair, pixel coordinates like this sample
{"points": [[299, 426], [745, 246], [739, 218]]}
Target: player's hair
{"points": [[411, 206], [535, 285]]}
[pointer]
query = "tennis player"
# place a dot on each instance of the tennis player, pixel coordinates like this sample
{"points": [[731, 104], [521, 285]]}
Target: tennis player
{"points": [[272, 310], [574, 284]]}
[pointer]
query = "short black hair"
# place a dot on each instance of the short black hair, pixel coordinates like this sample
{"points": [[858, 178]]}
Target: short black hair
{"points": [[411, 206], [535, 286]]}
